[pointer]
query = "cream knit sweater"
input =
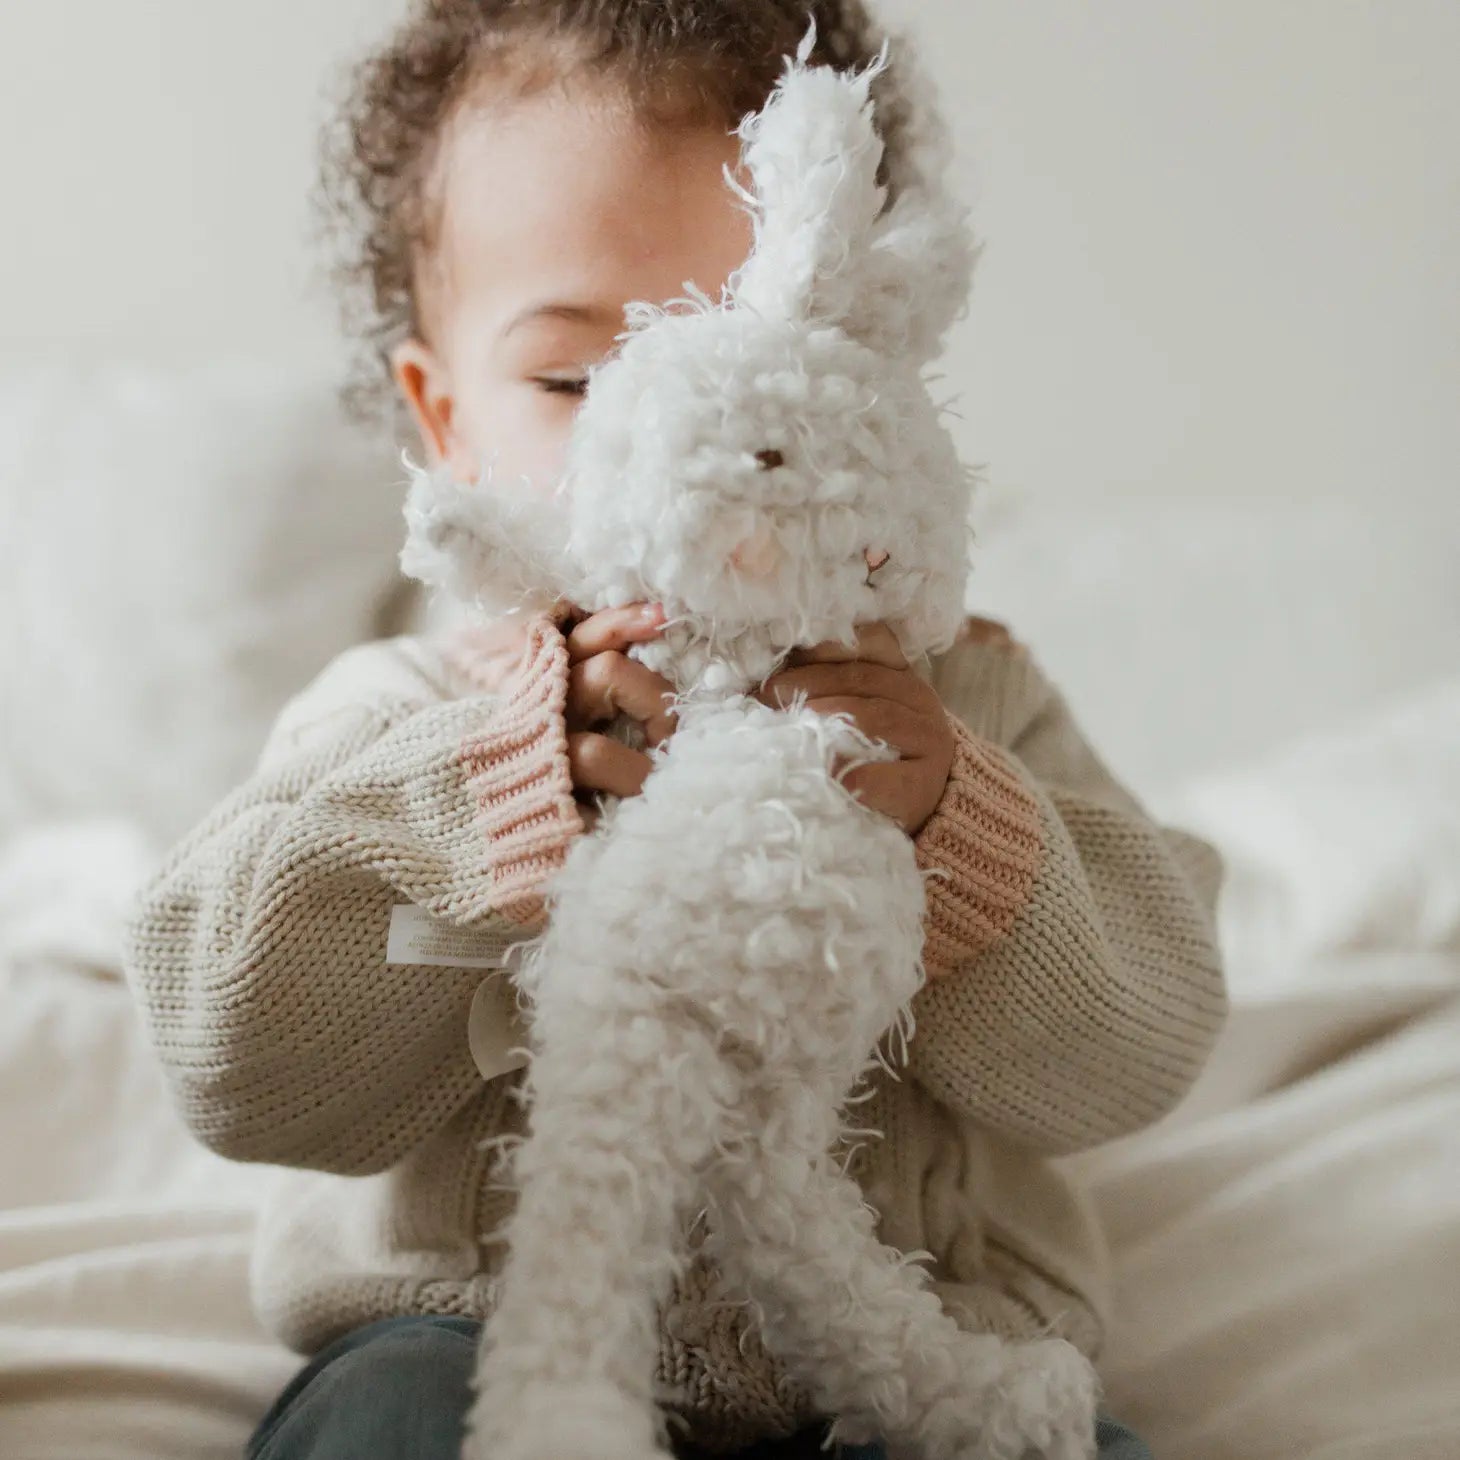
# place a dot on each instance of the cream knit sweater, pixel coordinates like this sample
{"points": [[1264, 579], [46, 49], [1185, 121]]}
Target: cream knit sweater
{"points": [[1075, 991]]}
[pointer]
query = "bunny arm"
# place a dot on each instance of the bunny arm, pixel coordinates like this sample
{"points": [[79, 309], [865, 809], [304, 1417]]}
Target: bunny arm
{"points": [[502, 548]]}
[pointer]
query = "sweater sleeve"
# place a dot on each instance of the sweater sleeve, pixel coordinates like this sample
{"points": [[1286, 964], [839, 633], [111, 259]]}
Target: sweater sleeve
{"points": [[258, 949], [1075, 986]]}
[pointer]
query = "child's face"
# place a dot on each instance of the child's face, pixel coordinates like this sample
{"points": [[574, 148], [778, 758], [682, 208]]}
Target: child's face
{"points": [[557, 211]]}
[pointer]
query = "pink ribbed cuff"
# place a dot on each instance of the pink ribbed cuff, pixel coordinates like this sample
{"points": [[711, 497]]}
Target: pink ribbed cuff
{"points": [[984, 846], [517, 767]]}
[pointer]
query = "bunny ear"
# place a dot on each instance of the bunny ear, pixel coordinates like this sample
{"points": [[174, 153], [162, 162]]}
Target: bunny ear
{"points": [[918, 270], [913, 281], [497, 549], [824, 249], [812, 153]]}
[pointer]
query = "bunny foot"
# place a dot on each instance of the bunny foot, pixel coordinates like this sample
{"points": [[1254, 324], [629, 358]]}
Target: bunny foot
{"points": [[1045, 1406], [1030, 1401], [567, 1421]]}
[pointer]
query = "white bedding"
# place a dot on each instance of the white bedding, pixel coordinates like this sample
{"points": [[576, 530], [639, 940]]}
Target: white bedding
{"points": [[1288, 1244], [1288, 1252], [125, 1330]]}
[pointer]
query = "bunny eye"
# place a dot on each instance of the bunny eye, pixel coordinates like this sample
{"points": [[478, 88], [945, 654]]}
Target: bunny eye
{"points": [[770, 460]]}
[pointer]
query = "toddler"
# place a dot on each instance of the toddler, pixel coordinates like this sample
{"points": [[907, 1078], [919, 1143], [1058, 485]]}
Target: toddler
{"points": [[517, 173]]}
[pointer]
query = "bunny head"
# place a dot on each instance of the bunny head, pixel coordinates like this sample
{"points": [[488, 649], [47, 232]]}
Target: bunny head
{"points": [[770, 468]]}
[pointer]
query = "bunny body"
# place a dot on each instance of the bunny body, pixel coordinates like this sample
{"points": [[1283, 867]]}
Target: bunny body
{"points": [[727, 949]]}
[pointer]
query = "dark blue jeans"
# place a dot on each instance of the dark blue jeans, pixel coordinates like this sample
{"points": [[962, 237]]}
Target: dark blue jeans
{"points": [[400, 1390]]}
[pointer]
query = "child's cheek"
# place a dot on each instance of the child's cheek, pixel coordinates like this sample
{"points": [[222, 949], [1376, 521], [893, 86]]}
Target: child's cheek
{"points": [[524, 439]]}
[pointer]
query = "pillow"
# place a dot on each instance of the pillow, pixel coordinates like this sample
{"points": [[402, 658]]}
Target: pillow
{"points": [[1347, 841], [182, 550]]}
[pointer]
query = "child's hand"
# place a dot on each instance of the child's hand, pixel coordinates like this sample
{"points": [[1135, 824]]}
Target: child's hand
{"points": [[873, 684], [603, 682]]}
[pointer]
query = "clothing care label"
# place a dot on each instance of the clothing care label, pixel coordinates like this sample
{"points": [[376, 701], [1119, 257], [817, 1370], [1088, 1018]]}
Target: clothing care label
{"points": [[417, 937], [495, 1029]]}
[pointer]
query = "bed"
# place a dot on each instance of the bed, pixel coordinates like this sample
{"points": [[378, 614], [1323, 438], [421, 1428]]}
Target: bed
{"points": [[1287, 1243]]}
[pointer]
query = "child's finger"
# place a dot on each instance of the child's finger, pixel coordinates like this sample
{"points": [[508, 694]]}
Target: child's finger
{"points": [[614, 629], [853, 678], [880, 787], [611, 684], [597, 763], [901, 727], [876, 644]]}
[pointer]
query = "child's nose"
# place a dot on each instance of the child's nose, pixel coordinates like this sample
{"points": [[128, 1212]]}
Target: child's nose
{"points": [[759, 555]]}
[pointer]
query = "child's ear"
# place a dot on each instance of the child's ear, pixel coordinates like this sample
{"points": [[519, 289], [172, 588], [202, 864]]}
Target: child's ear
{"points": [[423, 383]]}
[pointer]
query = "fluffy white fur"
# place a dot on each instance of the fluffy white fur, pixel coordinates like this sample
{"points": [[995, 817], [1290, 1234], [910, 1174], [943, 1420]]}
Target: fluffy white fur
{"points": [[727, 949]]}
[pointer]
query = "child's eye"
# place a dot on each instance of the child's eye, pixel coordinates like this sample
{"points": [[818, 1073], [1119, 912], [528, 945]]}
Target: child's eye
{"points": [[562, 385]]}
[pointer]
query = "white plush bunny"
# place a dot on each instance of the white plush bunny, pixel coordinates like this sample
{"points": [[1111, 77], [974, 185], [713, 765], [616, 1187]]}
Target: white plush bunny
{"points": [[726, 950]]}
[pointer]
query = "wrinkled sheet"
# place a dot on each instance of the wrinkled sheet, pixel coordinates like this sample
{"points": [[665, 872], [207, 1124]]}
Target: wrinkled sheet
{"points": [[125, 1327], [1287, 1247]]}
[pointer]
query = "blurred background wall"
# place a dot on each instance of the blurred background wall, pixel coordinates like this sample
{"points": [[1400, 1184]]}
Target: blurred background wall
{"points": [[1222, 235]]}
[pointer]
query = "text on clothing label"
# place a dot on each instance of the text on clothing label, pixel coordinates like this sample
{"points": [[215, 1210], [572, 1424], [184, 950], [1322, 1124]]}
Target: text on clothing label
{"points": [[418, 937]]}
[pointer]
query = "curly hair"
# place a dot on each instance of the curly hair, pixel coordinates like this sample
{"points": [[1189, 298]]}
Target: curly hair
{"points": [[709, 61]]}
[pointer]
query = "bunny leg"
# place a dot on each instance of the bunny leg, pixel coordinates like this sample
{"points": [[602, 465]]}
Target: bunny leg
{"points": [[871, 1343], [568, 1359]]}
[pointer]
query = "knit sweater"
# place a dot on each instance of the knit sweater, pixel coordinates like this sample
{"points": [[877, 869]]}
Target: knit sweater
{"points": [[1074, 992]]}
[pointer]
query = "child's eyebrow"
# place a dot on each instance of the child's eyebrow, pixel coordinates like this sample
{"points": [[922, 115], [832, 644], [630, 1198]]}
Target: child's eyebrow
{"points": [[577, 313]]}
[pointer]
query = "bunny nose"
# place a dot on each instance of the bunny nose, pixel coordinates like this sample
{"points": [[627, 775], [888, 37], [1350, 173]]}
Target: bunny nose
{"points": [[759, 555], [875, 557]]}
